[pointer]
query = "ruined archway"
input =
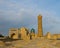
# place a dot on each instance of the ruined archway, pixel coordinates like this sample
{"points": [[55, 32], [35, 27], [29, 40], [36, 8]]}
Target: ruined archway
{"points": [[12, 35]]}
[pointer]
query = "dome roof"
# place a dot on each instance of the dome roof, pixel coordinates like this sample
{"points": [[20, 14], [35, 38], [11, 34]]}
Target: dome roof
{"points": [[32, 30]]}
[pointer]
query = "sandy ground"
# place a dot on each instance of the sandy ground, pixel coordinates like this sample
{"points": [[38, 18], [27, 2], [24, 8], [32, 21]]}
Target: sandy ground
{"points": [[37, 43]]}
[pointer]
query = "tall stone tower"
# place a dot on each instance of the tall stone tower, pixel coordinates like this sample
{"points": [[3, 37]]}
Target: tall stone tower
{"points": [[40, 33]]}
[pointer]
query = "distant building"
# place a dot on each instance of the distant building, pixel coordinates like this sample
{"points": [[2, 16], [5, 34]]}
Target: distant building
{"points": [[40, 32], [32, 33], [48, 35], [13, 33], [23, 33], [55, 36]]}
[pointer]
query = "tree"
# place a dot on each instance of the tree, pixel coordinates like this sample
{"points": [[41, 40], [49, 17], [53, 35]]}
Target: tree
{"points": [[1, 35]]}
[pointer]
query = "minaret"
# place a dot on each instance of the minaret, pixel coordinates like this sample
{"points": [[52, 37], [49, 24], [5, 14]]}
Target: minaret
{"points": [[40, 33]]}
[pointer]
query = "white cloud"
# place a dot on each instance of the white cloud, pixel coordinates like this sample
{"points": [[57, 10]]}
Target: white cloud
{"points": [[27, 16]]}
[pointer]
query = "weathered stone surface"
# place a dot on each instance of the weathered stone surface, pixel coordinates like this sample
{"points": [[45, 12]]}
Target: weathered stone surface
{"points": [[40, 33]]}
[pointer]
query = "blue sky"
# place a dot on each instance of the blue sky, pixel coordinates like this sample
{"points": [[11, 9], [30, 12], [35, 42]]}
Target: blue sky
{"points": [[18, 13]]}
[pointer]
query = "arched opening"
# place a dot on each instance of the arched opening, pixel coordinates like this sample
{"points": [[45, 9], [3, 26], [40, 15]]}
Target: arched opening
{"points": [[33, 30], [19, 36], [12, 35], [30, 37]]}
